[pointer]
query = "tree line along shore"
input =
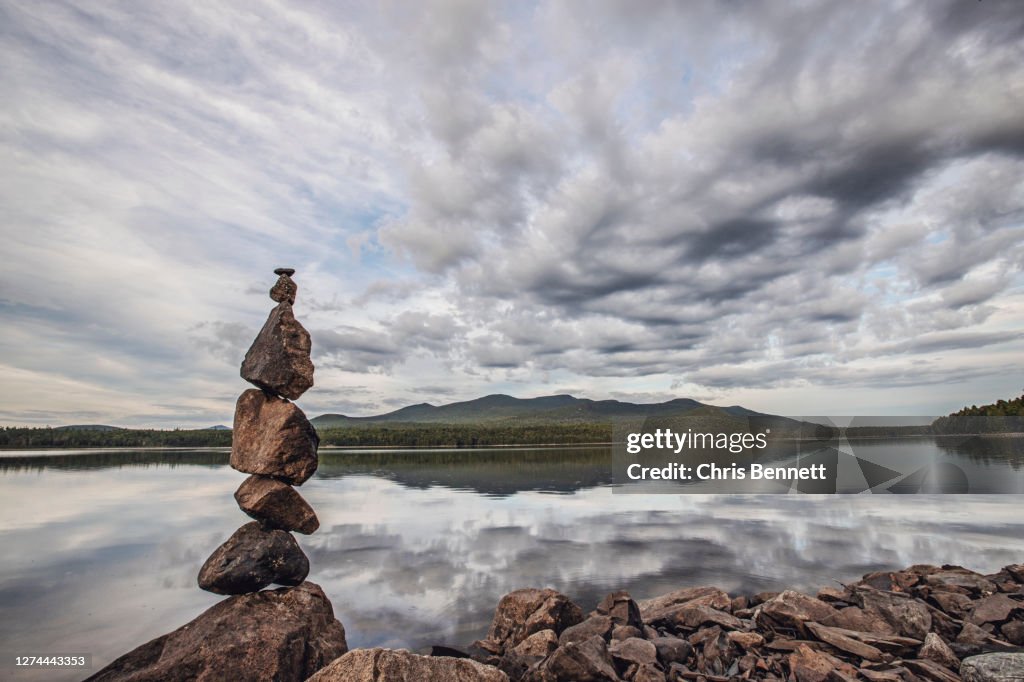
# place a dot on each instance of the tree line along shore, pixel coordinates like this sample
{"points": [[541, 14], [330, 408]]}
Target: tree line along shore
{"points": [[1003, 416]]}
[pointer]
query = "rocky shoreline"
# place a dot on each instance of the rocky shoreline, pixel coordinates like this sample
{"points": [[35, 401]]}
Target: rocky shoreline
{"points": [[923, 623]]}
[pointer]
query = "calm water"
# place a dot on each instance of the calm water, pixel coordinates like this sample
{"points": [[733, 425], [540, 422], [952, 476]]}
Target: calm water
{"points": [[101, 550]]}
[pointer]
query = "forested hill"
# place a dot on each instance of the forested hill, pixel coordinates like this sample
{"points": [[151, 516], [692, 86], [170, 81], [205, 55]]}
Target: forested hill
{"points": [[1002, 416]]}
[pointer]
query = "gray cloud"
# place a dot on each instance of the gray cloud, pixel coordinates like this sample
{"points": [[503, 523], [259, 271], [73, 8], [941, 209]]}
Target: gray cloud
{"points": [[483, 196]]}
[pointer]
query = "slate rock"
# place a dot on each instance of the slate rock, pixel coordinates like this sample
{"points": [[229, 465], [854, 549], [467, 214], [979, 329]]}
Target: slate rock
{"points": [[997, 667], [595, 625], [538, 644], [621, 608], [647, 673], [661, 609], [276, 505], [278, 360], [994, 609], [672, 649], [908, 616], [253, 558], [523, 612], [1013, 632], [284, 634], [633, 650], [586, 661], [808, 665], [625, 632], [790, 609], [396, 665], [963, 578], [272, 437]]}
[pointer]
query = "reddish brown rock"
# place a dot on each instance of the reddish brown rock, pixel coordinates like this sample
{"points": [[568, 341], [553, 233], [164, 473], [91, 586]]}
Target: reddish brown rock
{"points": [[747, 640], [621, 608], [994, 609], [538, 644], [284, 634], [278, 360], [1013, 632], [952, 603], [396, 665], [962, 578], [808, 665], [856, 618], [272, 437], [595, 625], [633, 650], [253, 558], [661, 608], [284, 289], [934, 649], [588, 660], [276, 505], [526, 611], [789, 610], [906, 615]]}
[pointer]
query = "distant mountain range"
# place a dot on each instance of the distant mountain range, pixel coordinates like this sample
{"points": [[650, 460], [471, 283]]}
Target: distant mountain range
{"points": [[550, 409]]}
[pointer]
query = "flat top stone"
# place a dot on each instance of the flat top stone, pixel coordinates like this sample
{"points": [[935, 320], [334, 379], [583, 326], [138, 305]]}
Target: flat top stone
{"points": [[284, 271]]}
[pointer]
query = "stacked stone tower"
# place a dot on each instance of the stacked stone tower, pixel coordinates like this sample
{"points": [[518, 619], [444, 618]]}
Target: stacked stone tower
{"points": [[275, 443]]}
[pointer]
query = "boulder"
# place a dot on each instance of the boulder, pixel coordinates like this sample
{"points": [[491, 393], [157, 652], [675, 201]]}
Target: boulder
{"points": [[855, 618], [908, 616], [595, 625], [395, 665], [253, 558], [526, 611], [952, 603], [284, 290], [790, 610], [285, 635], [278, 360], [621, 608], [272, 437], [538, 644], [586, 661], [999, 667], [276, 504]]}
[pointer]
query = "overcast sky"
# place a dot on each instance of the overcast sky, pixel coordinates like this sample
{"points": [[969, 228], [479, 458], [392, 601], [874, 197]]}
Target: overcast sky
{"points": [[803, 207]]}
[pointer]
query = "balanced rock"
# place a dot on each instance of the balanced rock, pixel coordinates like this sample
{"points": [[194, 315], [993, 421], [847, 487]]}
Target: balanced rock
{"points": [[394, 665], [272, 437], [276, 505], [253, 558], [284, 289], [278, 360], [284, 634], [526, 611]]}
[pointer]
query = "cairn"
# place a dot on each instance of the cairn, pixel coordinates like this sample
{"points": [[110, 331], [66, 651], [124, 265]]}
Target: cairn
{"points": [[275, 443]]}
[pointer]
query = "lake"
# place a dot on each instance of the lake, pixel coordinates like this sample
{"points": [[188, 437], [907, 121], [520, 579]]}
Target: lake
{"points": [[101, 549]]}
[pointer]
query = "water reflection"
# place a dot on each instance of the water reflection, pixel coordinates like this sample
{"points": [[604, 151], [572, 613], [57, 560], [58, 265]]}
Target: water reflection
{"points": [[101, 551]]}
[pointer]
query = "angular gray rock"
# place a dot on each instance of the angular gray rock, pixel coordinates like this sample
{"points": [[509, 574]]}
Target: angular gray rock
{"points": [[253, 558], [285, 635], [278, 360], [276, 505], [272, 437], [999, 667], [395, 665]]}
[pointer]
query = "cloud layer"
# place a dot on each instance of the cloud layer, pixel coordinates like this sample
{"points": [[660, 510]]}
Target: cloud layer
{"points": [[791, 207]]}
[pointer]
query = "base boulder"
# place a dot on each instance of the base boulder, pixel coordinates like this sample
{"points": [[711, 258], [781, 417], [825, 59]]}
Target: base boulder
{"points": [[286, 635]]}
